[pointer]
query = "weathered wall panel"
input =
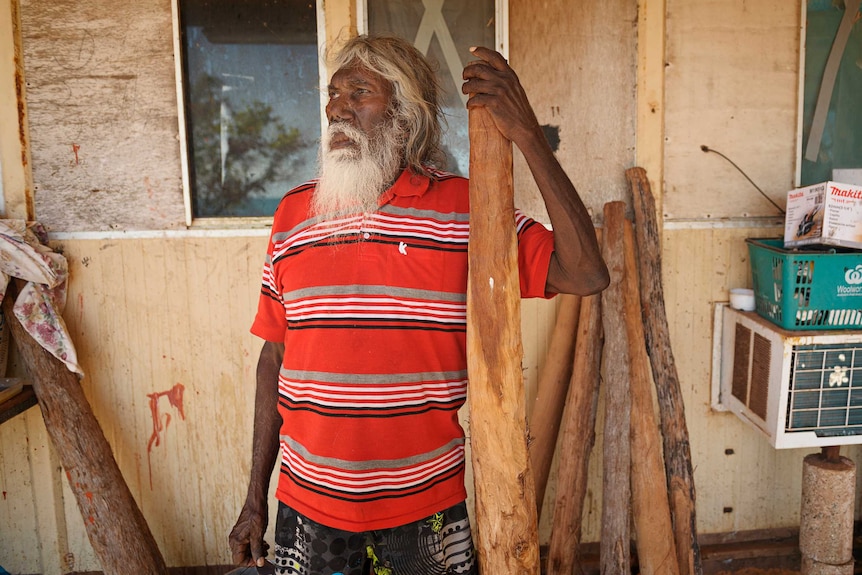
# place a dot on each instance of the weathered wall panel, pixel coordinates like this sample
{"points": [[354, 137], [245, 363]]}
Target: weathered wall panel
{"points": [[103, 114], [731, 84], [577, 61]]}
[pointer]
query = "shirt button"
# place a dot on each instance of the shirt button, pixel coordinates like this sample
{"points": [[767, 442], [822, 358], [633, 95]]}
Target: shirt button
{"points": [[366, 235]]}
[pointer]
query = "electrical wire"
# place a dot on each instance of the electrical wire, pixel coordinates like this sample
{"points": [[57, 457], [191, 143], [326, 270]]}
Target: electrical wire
{"points": [[762, 193]]}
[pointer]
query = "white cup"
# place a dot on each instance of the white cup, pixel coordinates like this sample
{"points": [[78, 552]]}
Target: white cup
{"points": [[742, 299]]}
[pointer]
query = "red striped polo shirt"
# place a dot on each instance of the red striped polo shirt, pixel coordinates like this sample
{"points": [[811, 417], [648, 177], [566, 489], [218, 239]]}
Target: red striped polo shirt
{"points": [[372, 312]]}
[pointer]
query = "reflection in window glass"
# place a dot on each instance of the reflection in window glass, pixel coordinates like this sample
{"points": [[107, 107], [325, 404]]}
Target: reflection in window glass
{"points": [[252, 102], [444, 34]]}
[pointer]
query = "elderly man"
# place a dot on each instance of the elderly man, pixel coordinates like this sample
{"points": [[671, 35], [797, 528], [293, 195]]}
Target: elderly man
{"points": [[363, 313]]}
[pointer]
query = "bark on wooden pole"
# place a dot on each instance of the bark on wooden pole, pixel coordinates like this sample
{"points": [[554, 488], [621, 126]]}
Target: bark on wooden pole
{"points": [[615, 544], [577, 436], [650, 506], [677, 450], [551, 393], [118, 532], [507, 538]]}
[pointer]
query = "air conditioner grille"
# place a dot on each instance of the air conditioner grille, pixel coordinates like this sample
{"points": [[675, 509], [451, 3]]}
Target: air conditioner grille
{"points": [[758, 400], [825, 390], [741, 355]]}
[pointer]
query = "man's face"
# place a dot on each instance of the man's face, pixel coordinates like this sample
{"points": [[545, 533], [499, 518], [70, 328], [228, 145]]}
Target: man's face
{"points": [[361, 154], [359, 98]]}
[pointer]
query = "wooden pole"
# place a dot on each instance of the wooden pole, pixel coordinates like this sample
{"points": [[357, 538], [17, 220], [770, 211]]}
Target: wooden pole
{"points": [[677, 452], [615, 547], [507, 538], [117, 530], [551, 393], [650, 506], [577, 437]]}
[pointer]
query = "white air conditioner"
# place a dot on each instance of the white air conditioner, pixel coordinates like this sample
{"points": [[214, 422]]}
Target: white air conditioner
{"points": [[800, 388]]}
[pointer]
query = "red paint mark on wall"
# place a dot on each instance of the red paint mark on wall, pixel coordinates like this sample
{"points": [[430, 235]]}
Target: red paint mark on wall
{"points": [[4, 496], [175, 398], [75, 148]]}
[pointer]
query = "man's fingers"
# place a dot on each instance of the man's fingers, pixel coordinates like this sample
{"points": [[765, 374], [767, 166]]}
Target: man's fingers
{"points": [[257, 552], [259, 549], [492, 57]]}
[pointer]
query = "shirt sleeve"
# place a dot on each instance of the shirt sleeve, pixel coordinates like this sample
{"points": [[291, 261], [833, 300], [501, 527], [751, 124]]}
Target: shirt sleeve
{"points": [[270, 322], [535, 246]]}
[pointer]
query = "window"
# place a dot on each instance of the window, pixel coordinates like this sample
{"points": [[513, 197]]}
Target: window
{"points": [[251, 89], [252, 102], [831, 123]]}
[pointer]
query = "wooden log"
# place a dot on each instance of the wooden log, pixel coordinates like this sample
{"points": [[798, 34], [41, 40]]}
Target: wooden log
{"points": [[507, 539], [615, 548], [551, 393], [677, 450], [650, 506], [577, 436], [118, 532]]}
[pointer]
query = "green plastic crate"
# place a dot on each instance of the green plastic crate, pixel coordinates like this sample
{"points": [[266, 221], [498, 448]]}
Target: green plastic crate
{"points": [[806, 289]]}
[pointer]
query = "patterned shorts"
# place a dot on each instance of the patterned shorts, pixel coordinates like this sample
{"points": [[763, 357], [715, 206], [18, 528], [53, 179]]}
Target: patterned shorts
{"points": [[438, 545]]}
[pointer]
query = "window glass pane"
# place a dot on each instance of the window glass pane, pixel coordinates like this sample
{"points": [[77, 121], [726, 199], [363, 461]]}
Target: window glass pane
{"points": [[252, 102], [443, 31]]}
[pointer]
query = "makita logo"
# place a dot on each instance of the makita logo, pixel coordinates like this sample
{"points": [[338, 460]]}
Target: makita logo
{"points": [[856, 194]]}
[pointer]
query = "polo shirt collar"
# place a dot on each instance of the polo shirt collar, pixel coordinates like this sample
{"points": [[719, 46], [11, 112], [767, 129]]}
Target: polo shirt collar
{"points": [[408, 184]]}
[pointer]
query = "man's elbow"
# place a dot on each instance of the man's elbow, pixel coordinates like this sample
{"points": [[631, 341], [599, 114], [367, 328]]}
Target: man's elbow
{"points": [[583, 282], [593, 283]]}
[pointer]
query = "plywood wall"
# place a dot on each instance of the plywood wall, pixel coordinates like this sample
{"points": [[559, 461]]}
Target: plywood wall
{"points": [[101, 92], [731, 84], [577, 61]]}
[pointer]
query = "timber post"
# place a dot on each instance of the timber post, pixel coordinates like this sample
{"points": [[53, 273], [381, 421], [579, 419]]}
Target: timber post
{"points": [[506, 516]]}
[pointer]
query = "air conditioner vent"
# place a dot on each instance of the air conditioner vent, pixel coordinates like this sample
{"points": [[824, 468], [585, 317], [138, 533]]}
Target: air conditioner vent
{"points": [[741, 365], [758, 399]]}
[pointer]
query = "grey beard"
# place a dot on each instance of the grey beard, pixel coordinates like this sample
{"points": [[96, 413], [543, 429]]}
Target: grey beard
{"points": [[351, 180]]}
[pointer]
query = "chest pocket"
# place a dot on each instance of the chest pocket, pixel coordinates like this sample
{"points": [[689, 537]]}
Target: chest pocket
{"points": [[420, 267]]}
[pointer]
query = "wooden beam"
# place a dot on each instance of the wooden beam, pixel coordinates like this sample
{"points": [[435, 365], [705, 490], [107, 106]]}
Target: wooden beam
{"points": [[616, 456], [17, 178], [551, 393], [677, 451], [507, 538], [578, 435], [650, 142], [650, 506]]}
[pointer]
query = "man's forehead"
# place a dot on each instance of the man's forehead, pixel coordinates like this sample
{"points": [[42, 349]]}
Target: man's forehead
{"points": [[358, 73]]}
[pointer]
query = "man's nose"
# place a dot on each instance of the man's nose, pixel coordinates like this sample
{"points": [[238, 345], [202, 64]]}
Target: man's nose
{"points": [[338, 110]]}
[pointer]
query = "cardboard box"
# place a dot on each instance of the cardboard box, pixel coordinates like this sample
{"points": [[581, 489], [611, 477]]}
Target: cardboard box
{"points": [[829, 213]]}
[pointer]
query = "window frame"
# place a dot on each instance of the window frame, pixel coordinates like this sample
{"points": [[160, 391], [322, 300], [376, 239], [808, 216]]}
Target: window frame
{"points": [[332, 15]]}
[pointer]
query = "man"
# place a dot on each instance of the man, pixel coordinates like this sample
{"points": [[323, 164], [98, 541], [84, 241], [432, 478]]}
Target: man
{"points": [[363, 311]]}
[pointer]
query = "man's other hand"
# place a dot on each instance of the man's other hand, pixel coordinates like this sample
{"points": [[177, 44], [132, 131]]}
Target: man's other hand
{"points": [[247, 546]]}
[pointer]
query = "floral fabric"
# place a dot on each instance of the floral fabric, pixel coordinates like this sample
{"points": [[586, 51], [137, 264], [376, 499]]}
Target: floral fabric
{"points": [[25, 255]]}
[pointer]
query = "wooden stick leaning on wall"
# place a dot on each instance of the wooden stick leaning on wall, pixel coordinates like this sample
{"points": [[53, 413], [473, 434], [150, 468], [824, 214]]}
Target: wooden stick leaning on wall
{"points": [[507, 539], [677, 451], [615, 543], [577, 437], [118, 532], [551, 393], [650, 506]]}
